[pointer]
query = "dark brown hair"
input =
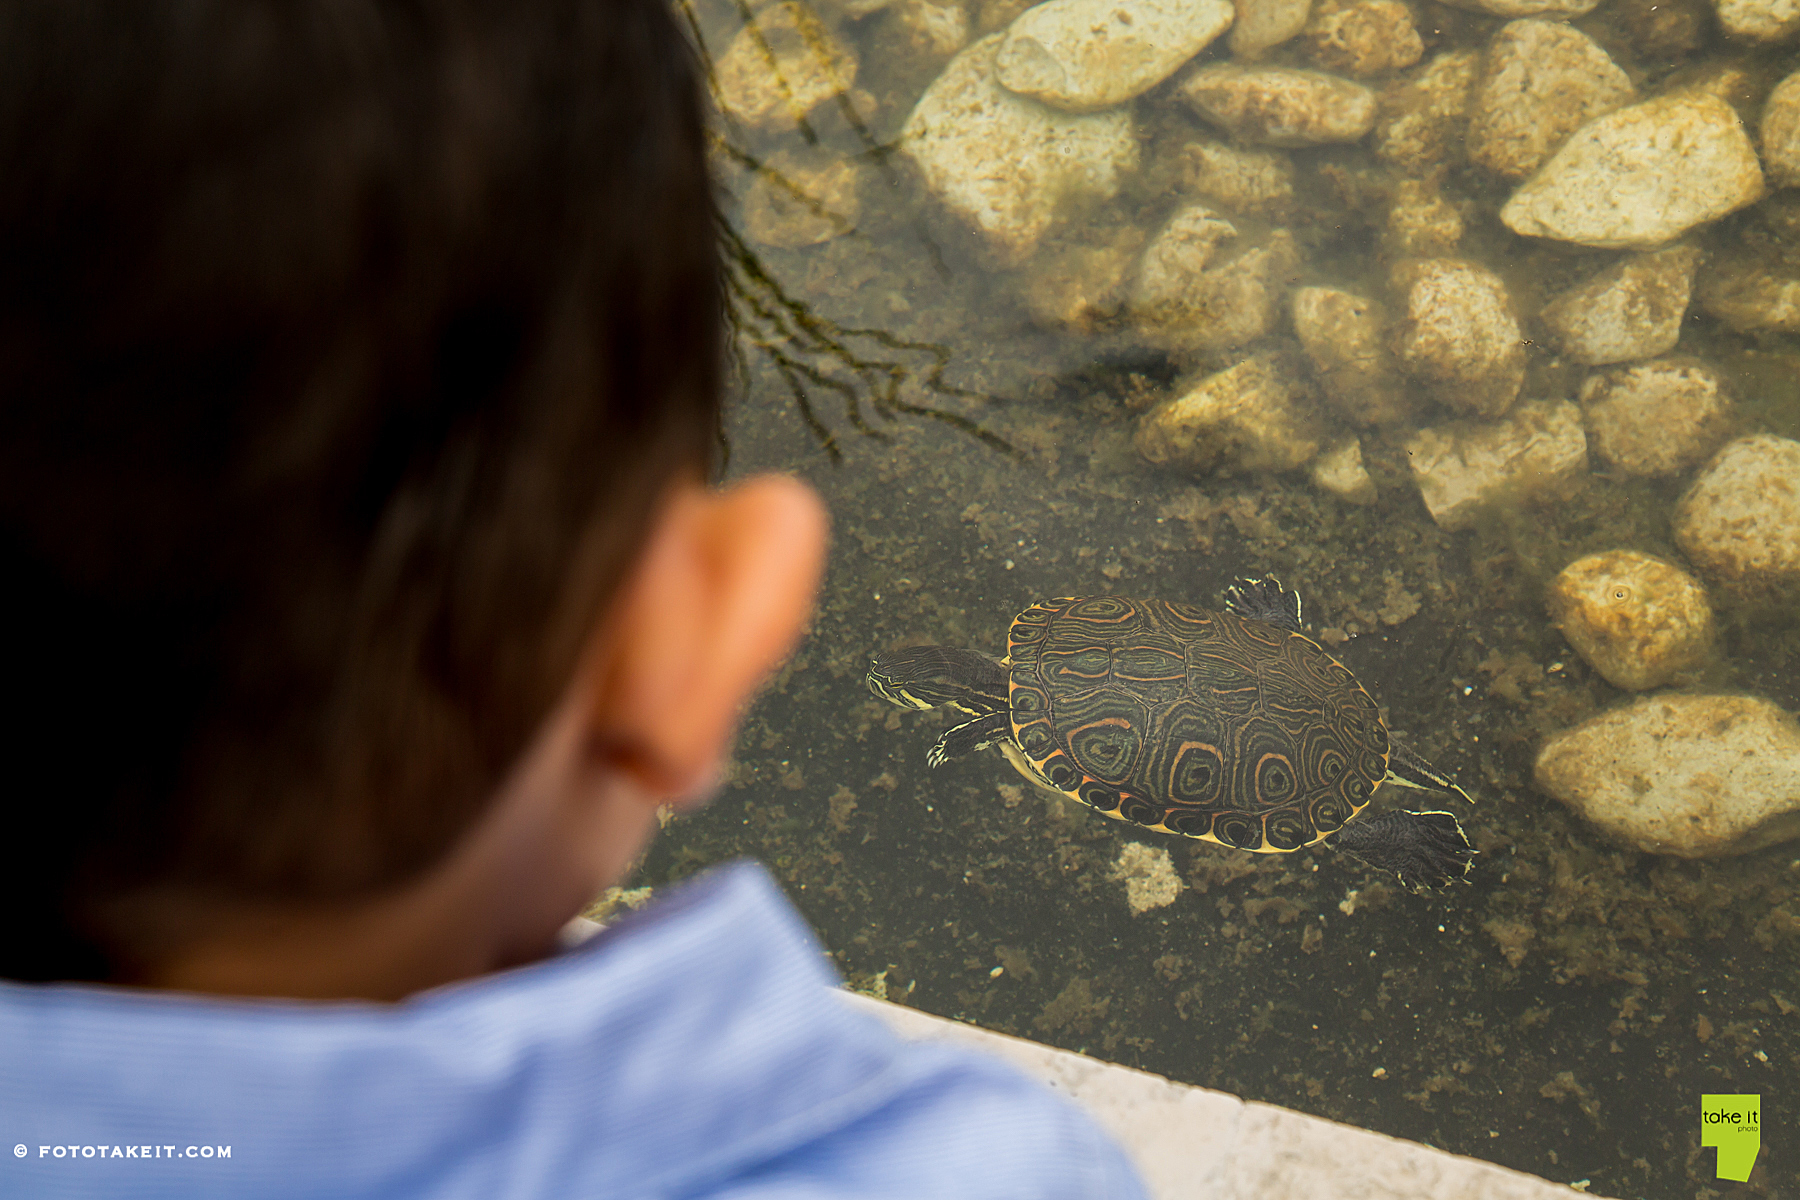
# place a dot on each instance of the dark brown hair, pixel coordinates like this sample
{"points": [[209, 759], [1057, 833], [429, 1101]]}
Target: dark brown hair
{"points": [[345, 347]]}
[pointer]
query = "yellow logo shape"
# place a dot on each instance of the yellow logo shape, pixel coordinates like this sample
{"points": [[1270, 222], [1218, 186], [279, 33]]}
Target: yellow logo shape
{"points": [[1734, 1125]]}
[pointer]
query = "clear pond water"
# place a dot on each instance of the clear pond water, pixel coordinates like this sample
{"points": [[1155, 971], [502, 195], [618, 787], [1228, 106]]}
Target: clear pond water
{"points": [[1562, 1013]]}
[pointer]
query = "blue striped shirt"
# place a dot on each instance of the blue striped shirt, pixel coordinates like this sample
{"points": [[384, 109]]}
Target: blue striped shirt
{"points": [[693, 1049]]}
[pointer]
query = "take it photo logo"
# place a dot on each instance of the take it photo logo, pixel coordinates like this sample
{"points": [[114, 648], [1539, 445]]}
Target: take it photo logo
{"points": [[1734, 1125]]}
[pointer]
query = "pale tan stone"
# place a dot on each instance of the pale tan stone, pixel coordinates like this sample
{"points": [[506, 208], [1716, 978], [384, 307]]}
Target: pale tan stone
{"points": [[1421, 223], [1241, 179], [1192, 295], [1423, 119], [1739, 522], [1005, 163], [1542, 81], [1346, 337], [781, 66], [1280, 106], [1086, 55], [1264, 24], [1641, 175], [1257, 415], [1760, 20], [794, 202], [1363, 38], [1457, 335], [1633, 309], [1555, 9], [1634, 618], [1340, 471], [1780, 130], [1658, 417], [1694, 776], [1463, 468], [1082, 282], [1751, 293]]}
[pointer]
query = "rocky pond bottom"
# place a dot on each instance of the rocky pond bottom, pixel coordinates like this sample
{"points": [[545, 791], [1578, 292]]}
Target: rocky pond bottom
{"points": [[1475, 325]]}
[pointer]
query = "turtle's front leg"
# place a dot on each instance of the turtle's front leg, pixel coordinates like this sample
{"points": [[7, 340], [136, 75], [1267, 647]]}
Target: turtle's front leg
{"points": [[970, 736], [1425, 849]]}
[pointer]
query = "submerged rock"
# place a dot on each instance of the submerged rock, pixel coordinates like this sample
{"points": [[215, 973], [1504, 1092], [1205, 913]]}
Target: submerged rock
{"points": [[1740, 520], [1760, 20], [1656, 418], [1423, 119], [1780, 130], [1634, 618], [1005, 163], [1340, 471], [1421, 223], [1641, 175], [1280, 106], [1463, 468], [1631, 310], [781, 66], [795, 202], [1458, 336], [1262, 24], [1750, 293], [1258, 415], [1346, 336], [1695, 776], [1542, 81], [1561, 9], [1241, 179], [1190, 296], [1364, 38], [1085, 55]]}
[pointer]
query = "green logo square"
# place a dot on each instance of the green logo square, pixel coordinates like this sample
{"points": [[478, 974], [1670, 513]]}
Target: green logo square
{"points": [[1734, 1125]]}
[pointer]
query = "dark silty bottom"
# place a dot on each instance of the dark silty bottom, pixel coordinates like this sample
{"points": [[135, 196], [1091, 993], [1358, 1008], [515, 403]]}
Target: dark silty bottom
{"points": [[1425, 849]]}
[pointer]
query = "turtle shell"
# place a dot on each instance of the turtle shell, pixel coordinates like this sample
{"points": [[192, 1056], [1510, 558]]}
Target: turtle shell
{"points": [[1194, 722]]}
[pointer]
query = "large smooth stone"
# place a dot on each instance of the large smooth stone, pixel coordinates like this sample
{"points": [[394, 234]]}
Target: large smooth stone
{"points": [[1005, 163], [1256, 416], [1760, 20], [1192, 295], [1280, 106], [1556, 9], [1656, 418], [1695, 776], [781, 66], [1780, 130], [1085, 55], [1634, 618], [1543, 80], [1631, 310], [1740, 520], [1462, 469], [1641, 175], [1457, 335]]}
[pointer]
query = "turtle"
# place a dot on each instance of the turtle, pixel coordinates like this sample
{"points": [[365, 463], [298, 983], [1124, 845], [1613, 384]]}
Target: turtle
{"points": [[1230, 726]]}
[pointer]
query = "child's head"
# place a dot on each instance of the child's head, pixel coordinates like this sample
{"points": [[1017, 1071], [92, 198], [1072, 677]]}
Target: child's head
{"points": [[351, 354]]}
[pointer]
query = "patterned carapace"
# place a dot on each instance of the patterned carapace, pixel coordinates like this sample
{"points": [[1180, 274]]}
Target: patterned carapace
{"points": [[1195, 722]]}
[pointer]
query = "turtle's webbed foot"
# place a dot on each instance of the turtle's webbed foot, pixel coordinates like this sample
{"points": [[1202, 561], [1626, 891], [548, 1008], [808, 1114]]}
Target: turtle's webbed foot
{"points": [[1264, 600], [1425, 849]]}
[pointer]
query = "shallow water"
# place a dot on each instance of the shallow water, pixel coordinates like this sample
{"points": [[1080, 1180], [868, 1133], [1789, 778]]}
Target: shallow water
{"points": [[1562, 1013]]}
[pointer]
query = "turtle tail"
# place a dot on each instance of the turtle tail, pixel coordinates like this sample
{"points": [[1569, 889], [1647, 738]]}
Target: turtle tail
{"points": [[1425, 849]]}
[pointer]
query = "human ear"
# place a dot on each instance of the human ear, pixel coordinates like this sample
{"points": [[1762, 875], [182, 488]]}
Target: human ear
{"points": [[720, 593]]}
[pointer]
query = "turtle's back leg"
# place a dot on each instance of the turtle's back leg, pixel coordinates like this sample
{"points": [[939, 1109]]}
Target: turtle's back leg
{"points": [[969, 737], [1425, 849], [927, 676], [1265, 600], [1409, 770]]}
